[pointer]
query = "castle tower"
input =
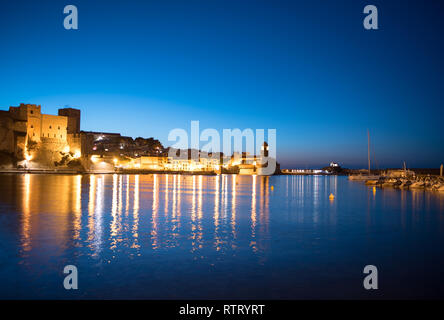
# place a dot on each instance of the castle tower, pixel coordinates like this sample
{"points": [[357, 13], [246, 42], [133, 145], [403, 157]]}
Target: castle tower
{"points": [[266, 165], [264, 150], [73, 116]]}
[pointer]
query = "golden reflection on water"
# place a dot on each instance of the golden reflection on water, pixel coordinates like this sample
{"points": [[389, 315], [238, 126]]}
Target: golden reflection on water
{"points": [[167, 192], [57, 201], [155, 212], [175, 227], [196, 213], [91, 205], [199, 215], [135, 230], [78, 207], [233, 205], [216, 212], [114, 227], [193, 212], [26, 225], [127, 199], [264, 205], [193, 215], [253, 243], [98, 216]]}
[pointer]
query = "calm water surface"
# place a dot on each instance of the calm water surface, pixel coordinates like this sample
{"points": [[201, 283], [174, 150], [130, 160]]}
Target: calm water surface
{"points": [[172, 236]]}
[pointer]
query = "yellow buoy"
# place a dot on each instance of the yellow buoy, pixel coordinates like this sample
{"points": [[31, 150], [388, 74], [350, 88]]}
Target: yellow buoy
{"points": [[331, 197], [272, 188]]}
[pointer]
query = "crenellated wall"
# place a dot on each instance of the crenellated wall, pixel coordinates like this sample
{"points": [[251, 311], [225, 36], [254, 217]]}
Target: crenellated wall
{"points": [[28, 134]]}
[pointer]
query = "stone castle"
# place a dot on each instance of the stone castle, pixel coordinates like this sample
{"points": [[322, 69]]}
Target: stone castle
{"points": [[30, 139], [26, 133]]}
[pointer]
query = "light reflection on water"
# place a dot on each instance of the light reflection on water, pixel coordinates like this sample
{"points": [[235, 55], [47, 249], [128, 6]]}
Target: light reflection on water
{"points": [[231, 236], [158, 193]]}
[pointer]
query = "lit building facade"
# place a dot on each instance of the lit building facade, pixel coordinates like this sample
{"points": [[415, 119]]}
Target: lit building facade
{"points": [[23, 127]]}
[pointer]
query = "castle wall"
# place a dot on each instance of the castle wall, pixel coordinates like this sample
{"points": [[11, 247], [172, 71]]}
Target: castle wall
{"points": [[54, 127], [34, 124], [73, 116], [19, 145], [39, 138], [24, 111], [6, 133], [74, 141]]}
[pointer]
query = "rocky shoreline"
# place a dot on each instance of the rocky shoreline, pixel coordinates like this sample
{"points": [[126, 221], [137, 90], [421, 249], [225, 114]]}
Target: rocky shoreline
{"points": [[423, 182]]}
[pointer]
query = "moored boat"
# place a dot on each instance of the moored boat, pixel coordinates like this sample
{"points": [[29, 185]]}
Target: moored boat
{"points": [[397, 183], [405, 184], [417, 185], [388, 183], [366, 177]]}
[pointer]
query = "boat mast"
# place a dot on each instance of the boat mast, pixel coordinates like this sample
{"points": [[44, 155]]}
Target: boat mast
{"points": [[368, 151]]}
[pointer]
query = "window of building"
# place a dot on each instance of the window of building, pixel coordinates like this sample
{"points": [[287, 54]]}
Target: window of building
{"points": [[50, 127], [54, 135], [32, 112], [32, 126], [61, 137], [59, 128], [33, 134], [48, 135]]}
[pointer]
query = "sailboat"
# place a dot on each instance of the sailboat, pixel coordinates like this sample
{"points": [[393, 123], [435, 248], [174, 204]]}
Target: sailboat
{"points": [[369, 176]]}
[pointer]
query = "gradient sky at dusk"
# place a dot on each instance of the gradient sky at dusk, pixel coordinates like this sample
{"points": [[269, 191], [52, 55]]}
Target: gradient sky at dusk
{"points": [[307, 68]]}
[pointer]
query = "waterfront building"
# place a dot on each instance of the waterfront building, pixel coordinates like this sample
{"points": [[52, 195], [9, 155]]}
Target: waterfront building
{"points": [[106, 143], [247, 169], [194, 160], [210, 162], [176, 164], [257, 164], [151, 163], [101, 142]]}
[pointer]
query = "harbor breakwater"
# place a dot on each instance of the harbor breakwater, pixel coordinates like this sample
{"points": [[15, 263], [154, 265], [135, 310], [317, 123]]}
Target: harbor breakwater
{"points": [[418, 182]]}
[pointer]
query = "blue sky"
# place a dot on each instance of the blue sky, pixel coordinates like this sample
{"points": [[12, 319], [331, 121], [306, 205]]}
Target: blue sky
{"points": [[306, 68]]}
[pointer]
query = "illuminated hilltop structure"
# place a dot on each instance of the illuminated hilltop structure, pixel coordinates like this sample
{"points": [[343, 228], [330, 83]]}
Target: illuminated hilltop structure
{"points": [[28, 134], [33, 140]]}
